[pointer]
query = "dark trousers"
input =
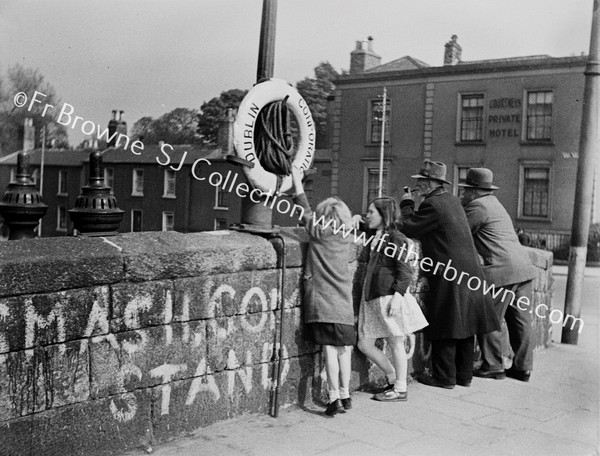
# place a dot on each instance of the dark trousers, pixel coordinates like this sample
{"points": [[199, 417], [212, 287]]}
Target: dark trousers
{"points": [[520, 332], [452, 360]]}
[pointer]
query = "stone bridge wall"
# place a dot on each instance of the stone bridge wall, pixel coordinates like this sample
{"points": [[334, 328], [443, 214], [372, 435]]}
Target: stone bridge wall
{"points": [[112, 343]]}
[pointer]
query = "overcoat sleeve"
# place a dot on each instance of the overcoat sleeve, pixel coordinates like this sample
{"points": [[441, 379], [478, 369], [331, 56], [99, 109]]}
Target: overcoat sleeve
{"points": [[420, 222], [475, 217]]}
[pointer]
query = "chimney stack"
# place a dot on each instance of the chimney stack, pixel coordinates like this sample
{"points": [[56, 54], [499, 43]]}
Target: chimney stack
{"points": [[118, 125], [362, 59], [28, 134], [225, 134], [452, 52]]}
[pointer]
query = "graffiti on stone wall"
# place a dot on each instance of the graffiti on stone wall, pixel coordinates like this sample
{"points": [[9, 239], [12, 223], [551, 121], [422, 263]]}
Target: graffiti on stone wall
{"points": [[157, 335]]}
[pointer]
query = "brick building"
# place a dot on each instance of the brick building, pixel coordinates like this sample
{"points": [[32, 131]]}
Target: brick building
{"points": [[520, 117], [161, 189]]}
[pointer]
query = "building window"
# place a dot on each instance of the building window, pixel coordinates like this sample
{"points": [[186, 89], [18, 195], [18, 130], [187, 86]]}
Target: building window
{"points": [[62, 182], [375, 121], [109, 178], [538, 116], [534, 191], [471, 118], [61, 218], [372, 185], [221, 198], [136, 220], [169, 184], [220, 224], [35, 176], [13, 175], [168, 221], [138, 182]]}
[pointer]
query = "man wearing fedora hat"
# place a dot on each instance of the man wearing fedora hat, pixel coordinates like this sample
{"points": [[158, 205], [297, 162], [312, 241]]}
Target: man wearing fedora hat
{"points": [[506, 264], [454, 312]]}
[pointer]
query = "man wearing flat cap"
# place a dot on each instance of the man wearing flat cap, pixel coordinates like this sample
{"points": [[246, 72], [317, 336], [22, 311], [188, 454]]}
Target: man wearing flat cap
{"points": [[455, 313], [506, 264]]}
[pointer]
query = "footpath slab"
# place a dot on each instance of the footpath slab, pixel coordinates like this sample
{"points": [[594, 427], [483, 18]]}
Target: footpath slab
{"points": [[556, 413]]}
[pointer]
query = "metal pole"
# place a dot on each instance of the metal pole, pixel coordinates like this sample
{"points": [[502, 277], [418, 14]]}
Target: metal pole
{"points": [[39, 230], [258, 216], [382, 143], [588, 151], [266, 50]]}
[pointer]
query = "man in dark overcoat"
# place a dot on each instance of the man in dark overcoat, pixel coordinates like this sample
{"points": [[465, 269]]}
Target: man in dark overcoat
{"points": [[454, 311], [507, 265]]}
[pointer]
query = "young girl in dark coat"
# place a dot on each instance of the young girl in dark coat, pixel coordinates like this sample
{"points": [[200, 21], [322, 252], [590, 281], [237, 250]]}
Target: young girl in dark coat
{"points": [[328, 310], [387, 279]]}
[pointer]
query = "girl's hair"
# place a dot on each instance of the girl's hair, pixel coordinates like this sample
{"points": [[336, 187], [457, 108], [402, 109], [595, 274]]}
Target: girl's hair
{"points": [[388, 209], [334, 208]]}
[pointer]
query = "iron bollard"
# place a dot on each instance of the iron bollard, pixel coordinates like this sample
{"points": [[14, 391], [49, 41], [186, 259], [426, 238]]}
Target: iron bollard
{"points": [[22, 205], [96, 212]]}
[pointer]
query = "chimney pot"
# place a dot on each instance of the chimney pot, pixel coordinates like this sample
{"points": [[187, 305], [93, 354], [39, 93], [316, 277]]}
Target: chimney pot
{"points": [[363, 59], [452, 51], [28, 134]]}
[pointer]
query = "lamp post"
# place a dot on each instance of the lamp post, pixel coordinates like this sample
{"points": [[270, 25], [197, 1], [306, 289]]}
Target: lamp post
{"points": [[586, 166], [257, 217]]}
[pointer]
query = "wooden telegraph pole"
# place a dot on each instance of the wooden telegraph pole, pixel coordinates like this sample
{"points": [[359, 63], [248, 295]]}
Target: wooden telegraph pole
{"points": [[588, 152]]}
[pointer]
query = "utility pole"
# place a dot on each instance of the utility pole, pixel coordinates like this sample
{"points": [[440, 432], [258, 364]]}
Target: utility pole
{"points": [[382, 143], [266, 50], [588, 151], [257, 217]]}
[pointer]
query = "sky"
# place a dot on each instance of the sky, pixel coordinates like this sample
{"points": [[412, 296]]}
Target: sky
{"points": [[147, 57]]}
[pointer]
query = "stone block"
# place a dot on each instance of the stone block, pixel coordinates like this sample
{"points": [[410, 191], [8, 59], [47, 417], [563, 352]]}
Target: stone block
{"points": [[42, 319], [225, 335], [293, 333], [292, 293], [170, 255], [138, 305], [296, 387], [296, 245], [16, 436], [246, 392], [540, 258], [186, 405], [57, 264], [42, 378], [230, 294], [95, 428], [146, 357]]}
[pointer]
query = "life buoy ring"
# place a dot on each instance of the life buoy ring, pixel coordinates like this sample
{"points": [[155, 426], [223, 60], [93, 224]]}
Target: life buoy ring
{"points": [[243, 132]]}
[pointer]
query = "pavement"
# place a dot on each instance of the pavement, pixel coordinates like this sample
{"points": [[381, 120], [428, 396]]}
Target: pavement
{"points": [[555, 413]]}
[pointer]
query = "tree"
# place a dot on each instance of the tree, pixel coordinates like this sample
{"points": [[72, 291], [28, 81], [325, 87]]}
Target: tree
{"points": [[142, 130], [214, 112], [28, 80], [316, 91], [176, 127]]}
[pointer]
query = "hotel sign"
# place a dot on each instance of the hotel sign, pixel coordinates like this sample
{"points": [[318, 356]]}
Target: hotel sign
{"points": [[504, 117]]}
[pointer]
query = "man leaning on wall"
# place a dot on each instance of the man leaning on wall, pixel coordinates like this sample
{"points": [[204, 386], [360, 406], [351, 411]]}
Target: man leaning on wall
{"points": [[454, 312], [506, 264]]}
